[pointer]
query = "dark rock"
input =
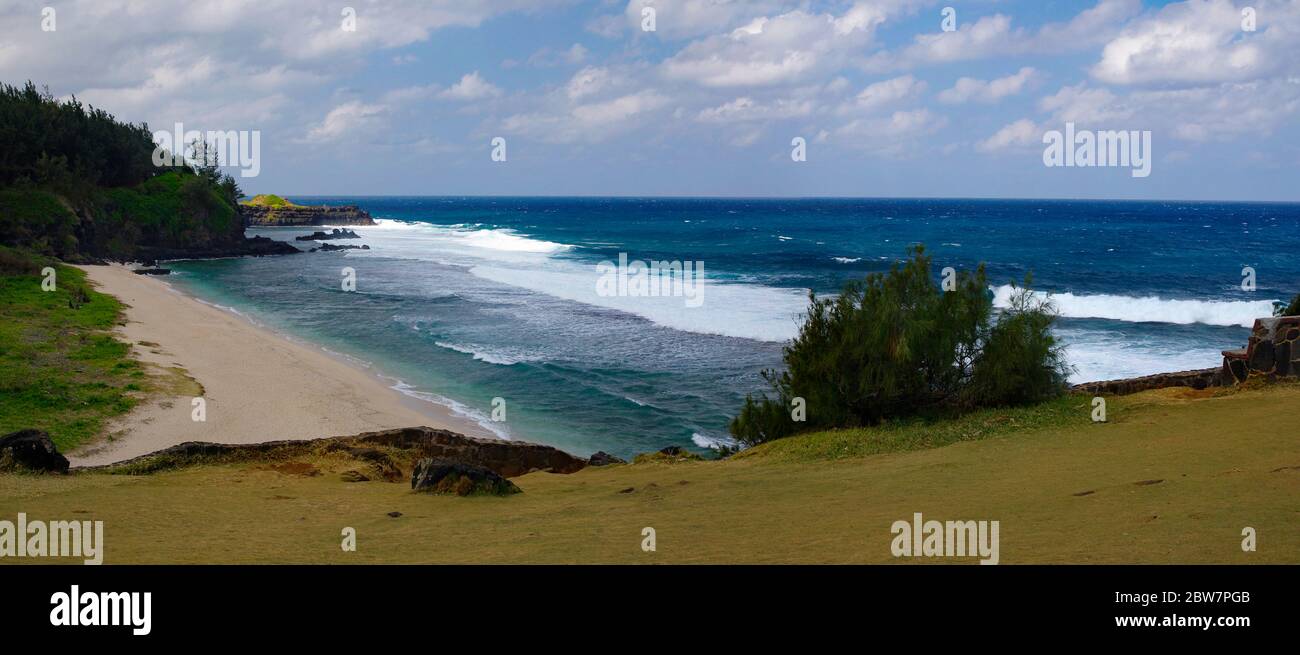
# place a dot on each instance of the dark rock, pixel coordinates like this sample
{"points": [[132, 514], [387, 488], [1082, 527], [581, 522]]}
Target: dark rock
{"points": [[1239, 369], [602, 458], [326, 236], [305, 215], [440, 476], [152, 271], [1197, 379], [627, 490], [394, 514], [1261, 357], [30, 451], [330, 247]]}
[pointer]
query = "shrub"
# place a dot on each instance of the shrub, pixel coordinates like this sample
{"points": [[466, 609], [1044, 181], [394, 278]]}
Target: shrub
{"points": [[1290, 310], [895, 344]]}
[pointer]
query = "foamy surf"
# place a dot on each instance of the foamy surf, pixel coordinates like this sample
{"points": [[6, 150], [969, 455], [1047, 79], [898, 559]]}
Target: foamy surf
{"points": [[1149, 309]]}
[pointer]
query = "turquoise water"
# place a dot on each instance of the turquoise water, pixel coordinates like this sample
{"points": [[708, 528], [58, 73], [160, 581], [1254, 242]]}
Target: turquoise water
{"points": [[470, 299]]}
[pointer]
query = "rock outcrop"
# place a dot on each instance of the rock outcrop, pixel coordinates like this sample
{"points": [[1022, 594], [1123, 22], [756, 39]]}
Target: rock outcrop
{"points": [[440, 476], [30, 451], [602, 458], [1273, 351], [399, 448], [333, 247], [336, 233], [1197, 379], [244, 247], [257, 215]]}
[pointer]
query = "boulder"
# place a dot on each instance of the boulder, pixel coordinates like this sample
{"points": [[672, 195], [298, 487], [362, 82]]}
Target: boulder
{"points": [[336, 233], [30, 451], [602, 458], [440, 476]]}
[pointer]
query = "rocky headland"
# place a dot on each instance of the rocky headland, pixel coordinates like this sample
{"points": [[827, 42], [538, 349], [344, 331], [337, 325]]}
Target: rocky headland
{"points": [[272, 211]]}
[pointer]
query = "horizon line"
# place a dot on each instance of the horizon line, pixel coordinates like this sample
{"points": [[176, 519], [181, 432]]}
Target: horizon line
{"points": [[742, 197]]}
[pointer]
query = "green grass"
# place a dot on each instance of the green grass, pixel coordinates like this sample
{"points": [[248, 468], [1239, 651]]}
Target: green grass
{"points": [[61, 368], [268, 200], [901, 436], [1173, 477]]}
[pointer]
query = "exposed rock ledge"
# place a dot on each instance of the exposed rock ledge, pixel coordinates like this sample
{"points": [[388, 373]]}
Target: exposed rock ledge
{"points": [[388, 449], [1197, 379], [263, 216]]}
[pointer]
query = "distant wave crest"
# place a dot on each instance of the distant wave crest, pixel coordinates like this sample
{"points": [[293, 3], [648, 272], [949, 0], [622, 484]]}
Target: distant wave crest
{"points": [[1149, 309]]}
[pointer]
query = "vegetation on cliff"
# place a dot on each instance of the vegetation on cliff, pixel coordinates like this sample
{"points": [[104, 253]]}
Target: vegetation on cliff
{"points": [[897, 345], [61, 369], [79, 185], [268, 200]]}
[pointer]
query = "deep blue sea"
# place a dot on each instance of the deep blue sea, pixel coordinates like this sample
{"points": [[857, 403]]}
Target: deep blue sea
{"points": [[469, 299]]}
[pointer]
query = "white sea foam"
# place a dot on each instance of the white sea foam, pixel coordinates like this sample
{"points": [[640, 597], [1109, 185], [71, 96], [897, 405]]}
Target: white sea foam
{"points": [[847, 260], [1095, 360], [459, 409], [504, 240], [735, 310], [1150, 309], [501, 356], [712, 442]]}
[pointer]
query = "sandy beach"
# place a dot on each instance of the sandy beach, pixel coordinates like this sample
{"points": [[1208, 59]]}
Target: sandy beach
{"points": [[258, 385]]}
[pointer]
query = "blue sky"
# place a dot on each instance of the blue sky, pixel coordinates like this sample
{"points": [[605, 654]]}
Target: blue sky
{"points": [[707, 103]]}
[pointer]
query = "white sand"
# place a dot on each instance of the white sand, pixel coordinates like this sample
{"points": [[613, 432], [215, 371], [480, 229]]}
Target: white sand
{"points": [[257, 384]]}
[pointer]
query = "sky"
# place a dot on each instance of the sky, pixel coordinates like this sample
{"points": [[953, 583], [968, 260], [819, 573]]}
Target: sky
{"points": [[891, 98]]}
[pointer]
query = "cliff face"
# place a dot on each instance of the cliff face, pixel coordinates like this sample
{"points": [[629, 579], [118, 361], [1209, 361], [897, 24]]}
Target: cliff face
{"points": [[255, 215]]}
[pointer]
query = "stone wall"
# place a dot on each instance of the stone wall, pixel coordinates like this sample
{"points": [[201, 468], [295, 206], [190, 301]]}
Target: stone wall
{"points": [[1273, 351], [1197, 379]]}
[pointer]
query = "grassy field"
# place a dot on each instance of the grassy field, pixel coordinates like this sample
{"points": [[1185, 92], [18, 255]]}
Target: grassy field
{"points": [[1174, 477], [61, 368]]}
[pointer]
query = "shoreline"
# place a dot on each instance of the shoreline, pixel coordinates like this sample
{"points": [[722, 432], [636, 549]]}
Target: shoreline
{"points": [[257, 384]]}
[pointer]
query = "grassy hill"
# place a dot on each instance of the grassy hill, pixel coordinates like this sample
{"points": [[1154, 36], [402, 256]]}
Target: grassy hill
{"points": [[268, 200], [1174, 477]]}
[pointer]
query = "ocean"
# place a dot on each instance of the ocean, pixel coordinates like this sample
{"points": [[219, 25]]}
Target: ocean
{"points": [[463, 300]]}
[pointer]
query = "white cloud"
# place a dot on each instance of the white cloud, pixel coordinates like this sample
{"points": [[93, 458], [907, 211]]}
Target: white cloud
{"points": [[349, 117], [1201, 42], [588, 81], [678, 19], [884, 94], [994, 35], [471, 86], [969, 89], [1020, 134], [783, 49], [590, 122], [747, 109], [1086, 105], [889, 131]]}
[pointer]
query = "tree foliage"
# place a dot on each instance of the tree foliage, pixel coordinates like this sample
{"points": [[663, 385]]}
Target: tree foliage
{"points": [[895, 345]]}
